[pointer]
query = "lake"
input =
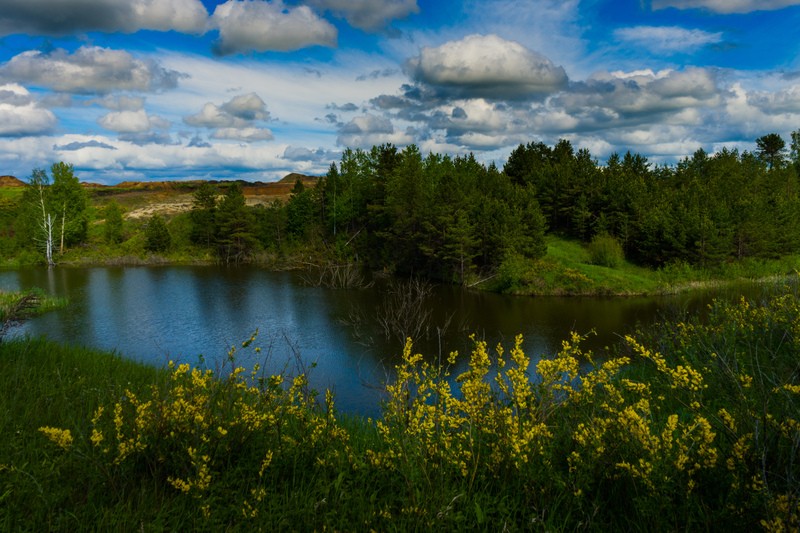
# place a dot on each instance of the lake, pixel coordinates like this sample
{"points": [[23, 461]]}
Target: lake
{"points": [[194, 313]]}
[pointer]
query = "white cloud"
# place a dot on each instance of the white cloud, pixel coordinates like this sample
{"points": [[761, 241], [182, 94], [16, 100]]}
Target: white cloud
{"points": [[235, 119], [261, 26], [19, 114], [487, 66], [369, 15], [131, 122], [726, 6], [750, 118], [641, 95], [107, 160], [247, 107], [90, 69], [301, 153], [554, 28], [64, 17], [370, 130], [781, 101], [213, 116], [666, 39], [249, 134]]}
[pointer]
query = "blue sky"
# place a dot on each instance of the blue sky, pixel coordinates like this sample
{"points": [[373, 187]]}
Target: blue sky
{"points": [[255, 89]]}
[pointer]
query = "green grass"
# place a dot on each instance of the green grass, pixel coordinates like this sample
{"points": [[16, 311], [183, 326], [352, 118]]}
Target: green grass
{"points": [[11, 193], [567, 269], [46, 384]]}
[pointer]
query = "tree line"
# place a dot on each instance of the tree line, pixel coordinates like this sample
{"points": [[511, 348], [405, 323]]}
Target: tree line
{"points": [[456, 219]]}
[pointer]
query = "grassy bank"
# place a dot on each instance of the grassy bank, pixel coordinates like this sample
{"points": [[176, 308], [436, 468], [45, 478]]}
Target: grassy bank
{"points": [[685, 426], [568, 269]]}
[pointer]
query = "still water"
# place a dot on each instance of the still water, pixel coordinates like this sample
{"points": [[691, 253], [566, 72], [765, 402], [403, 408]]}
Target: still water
{"points": [[194, 313]]}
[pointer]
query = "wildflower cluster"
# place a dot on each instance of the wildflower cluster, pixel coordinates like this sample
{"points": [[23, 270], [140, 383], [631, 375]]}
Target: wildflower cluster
{"points": [[664, 427], [491, 423], [199, 426]]}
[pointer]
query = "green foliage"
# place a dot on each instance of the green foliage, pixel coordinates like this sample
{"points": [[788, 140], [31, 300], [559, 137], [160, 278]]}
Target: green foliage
{"points": [[235, 227], [771, 150], [456, 220], [203, 215], [113, 223], [157, 236], [606, 251], [68, 203], [300, 212]]}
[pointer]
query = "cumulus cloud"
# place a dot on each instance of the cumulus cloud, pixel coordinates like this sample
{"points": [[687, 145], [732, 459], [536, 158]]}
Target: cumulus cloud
{"points": [[20, 115], [213, 116], [261, 26], [610, 102], [369, 15], [783, 101], [90, 69], [726, 6], [249, 134], [131, 122], [76, 145], [64, 17], [612, 98], [247, 107], [234, 119], [348, 107], [666, 39], [301, 153], [370, 130], [487, 66]]}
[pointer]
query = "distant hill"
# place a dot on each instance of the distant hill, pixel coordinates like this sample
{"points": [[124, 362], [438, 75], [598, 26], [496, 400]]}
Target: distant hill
{"points": [[287, 181], [11, 181]]}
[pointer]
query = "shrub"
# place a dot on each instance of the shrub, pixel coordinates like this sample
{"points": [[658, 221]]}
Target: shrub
{"points": [[606, 251], [157, 237]]}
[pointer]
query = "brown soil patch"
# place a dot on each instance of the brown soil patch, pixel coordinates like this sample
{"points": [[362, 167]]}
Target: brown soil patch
{"points": [[11, 181]]}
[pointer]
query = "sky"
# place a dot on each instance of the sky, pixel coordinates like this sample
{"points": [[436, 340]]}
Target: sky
{"points": [[256, 89]]}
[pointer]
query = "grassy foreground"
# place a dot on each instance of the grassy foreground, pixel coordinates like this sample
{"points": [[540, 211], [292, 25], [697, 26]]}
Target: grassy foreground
{"points": [[688, 426]]}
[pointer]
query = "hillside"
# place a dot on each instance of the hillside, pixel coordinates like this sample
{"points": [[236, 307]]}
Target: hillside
{"points": [[144, 198], [10, 181]]}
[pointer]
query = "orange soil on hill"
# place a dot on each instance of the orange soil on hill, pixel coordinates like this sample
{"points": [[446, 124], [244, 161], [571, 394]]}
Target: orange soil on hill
{"points": [[145, 198], [10, 181]]}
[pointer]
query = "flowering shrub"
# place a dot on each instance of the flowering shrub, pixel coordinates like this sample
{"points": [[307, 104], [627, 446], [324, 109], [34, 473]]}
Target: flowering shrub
{"points": [[199, 426]]}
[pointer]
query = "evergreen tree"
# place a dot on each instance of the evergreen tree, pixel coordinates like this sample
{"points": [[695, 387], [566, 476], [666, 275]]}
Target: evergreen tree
{"points": [[203, 215], [771, 150], [236, 232], [300, 212], [113, 223], [157, 236]]}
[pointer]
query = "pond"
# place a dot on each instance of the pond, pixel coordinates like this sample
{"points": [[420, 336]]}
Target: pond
{"points": [[197, 313]]}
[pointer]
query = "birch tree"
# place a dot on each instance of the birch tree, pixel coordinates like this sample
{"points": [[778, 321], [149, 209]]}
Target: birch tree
{"points": [[69, 203], [37, 195]]}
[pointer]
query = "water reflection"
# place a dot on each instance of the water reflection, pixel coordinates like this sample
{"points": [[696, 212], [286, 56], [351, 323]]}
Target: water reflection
{"points": [[157, 314]]}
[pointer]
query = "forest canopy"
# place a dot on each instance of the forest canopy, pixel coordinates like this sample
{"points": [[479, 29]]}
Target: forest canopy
{"points": [[455, 219]]}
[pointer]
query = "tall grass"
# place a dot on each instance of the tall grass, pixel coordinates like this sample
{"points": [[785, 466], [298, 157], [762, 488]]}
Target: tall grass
{"points": [[689, 425]]}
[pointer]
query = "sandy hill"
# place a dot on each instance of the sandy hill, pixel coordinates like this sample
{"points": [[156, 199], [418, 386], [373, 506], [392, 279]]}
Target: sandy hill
{"points": [[10, 181]]}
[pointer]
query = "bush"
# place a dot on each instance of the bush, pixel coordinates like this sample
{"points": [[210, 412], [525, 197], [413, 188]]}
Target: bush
{"points": [[157, 235], [606, 251]]}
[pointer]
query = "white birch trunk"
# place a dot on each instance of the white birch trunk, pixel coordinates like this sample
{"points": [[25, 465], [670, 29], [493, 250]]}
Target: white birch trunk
{"points": [[47, 227]]}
